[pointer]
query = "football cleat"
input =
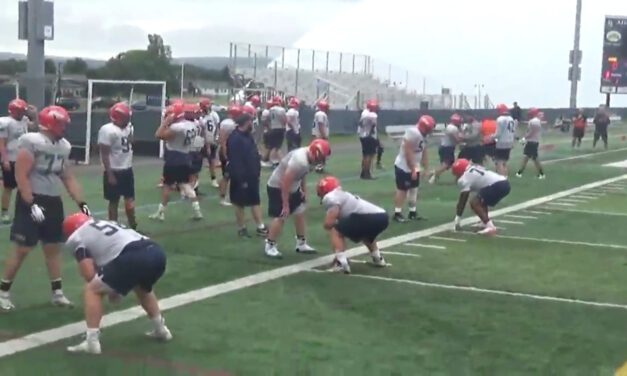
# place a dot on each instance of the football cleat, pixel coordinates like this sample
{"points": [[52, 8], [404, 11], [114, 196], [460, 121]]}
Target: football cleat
{"points": [[399, 217], [6, 218], [59, 300], [518, 175], [266, 164], [414, 216], [262, 231], [542, 177], [161, 334], [87, 346], [273, 252], [5, 301], [488, 231], [197, 215], [432, 179], [303, 247], [215, 184], [225, 202], [159, 216], [243, 233], [341, 267], [380, 262]]}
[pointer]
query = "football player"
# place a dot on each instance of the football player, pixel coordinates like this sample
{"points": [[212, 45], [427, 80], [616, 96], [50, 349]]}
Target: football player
{"points": [[320, 128], [227, 126], [211, 121], [264, 119], [368, 137], [115, 141], [292, 130], [178, 134], [579, 127], [448, 143], [114, 260], [276, 133], [410, 156], [532, 143], [349, 216], [471, 147], [490, 189], [504, 137], [41, 168], [21, 118], [193, 113], [287, 193]]}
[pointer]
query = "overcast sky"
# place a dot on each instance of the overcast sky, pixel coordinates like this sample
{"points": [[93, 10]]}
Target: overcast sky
{"points": [[518, 50]]}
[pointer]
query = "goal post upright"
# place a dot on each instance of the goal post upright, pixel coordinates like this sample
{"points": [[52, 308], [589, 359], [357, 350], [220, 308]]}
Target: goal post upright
{"points": [[90, 95]]}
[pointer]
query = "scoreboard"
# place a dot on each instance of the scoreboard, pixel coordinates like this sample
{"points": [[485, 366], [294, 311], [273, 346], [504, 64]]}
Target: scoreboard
{"points": [[614, 65]]}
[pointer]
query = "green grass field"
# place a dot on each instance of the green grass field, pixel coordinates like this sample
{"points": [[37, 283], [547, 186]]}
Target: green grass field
{"points": [[545, 297]]}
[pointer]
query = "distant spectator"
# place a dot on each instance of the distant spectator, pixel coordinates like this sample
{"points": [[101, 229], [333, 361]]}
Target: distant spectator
{"points": [[579, 127], [516, 114], [601, 122]]}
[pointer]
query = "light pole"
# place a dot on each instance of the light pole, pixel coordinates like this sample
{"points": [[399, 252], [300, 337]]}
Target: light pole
{"points": [[576, 56], [478, 87]]}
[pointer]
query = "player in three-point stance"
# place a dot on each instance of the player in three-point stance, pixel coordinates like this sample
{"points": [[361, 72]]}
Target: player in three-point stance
{"points": [[532, 143], [22, 117], [113, 261], [320, 127], [451, 138], [178, 134], [40, 170], [115, 141], [349, 216], [490, 189], [410, 156], [211, 121], [287, 193]]}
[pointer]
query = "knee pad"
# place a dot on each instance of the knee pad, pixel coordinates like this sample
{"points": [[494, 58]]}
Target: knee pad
{"points": [[412, 196]]}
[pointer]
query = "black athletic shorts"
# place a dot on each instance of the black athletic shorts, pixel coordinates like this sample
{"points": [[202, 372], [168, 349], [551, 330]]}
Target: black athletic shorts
{"points": [[141, 264], [368, 146], [8, 177], [363, 227], [531, 149], [493, 194], [244, 193], [197, 160], [578, 132], [211, 155], [502, 155], [489, 150], [275, 138], [124, 187], [447, 154], [173, 174], [403, 180], [26, 232], [474, 153], [294, 140], [275, 202]]}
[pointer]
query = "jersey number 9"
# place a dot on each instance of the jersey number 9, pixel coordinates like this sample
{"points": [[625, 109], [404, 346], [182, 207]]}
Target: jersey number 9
{"points": [[107, 229]]}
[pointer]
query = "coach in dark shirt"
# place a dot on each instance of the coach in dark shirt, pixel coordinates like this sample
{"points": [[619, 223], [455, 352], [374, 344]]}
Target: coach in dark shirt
{"points": [[245, 170], [601, 122], [516, 112]]}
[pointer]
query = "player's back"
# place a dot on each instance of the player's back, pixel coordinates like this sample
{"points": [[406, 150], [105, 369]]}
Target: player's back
{"points": [[506, 132], [211, 124], [320, 117], [11, 130], [449, 138], [298, 162], [278, 117], [104, 240], [49, 162], [349, 203], [368, 124], [180, 144], [293, 119], [478, 177], [535, 130]]}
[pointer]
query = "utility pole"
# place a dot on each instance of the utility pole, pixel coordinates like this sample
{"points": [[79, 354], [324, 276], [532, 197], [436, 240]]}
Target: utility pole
{"points": [[575, 71]]}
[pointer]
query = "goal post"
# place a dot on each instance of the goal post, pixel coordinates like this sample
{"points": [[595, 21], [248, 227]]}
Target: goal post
{"points": [[132, 84]]}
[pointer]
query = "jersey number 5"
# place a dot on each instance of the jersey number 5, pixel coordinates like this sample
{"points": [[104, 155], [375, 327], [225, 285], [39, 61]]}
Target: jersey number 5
{"points": [[107, 229]]}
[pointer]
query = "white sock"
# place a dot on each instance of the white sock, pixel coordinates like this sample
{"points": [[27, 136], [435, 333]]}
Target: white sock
{"points": [[57, 292], [161, 208], [375, 254], [195, 205], [412, 209], [341, 258], [158, 322], [490, 224], [92, 334], [398, 210], [261, 226], [196, 184]]}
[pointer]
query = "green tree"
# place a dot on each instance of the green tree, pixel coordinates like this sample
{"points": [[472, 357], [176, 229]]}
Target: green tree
{"points": [[75, 66]]}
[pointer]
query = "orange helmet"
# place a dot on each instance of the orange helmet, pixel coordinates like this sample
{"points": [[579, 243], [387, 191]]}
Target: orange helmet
{"points": [[277, 100], [191, 111], [235, 111], [372, 105], [205, 104], [323, 105], [294, 102], [54, 119], [320, 150], [249, 110], [73, 222], [17, 108], [120, 114], [533, 112], [459, 167], [502, 109], [255, 100], [326, 185], [426, 124]]}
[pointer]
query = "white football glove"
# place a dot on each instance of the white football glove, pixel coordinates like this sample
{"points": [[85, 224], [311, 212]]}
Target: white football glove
{"points": [[457, 223], [523, 141], [37, 213]]}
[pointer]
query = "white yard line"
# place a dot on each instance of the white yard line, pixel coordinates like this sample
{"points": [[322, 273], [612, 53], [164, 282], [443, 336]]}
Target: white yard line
{"points": [[493, 292], [431, 246], [538, 212], [447, 239], [574, 201], [515, 216], [597, 212], [582, 156], [48, 336], [511, 222], [561, 203], [587, 197], [559, 241], [400, 254]]}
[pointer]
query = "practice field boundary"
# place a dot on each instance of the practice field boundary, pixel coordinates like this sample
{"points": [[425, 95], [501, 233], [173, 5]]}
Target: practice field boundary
{"points": [[49, 336]]}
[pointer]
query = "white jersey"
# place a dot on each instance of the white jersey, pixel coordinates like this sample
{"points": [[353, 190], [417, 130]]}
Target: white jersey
{"points": [[212, 123], [49, 164], [505, 132], [103, 240], [534, 130], [11, 130], [184, 135], [320, 117], [278, 117], [293, 120], [476, 177], [295, 161], [201, 132], [227, 126], [265, 117], [368, 124], [349, 204], [451, 132], [120, 142], [418, 143]]}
